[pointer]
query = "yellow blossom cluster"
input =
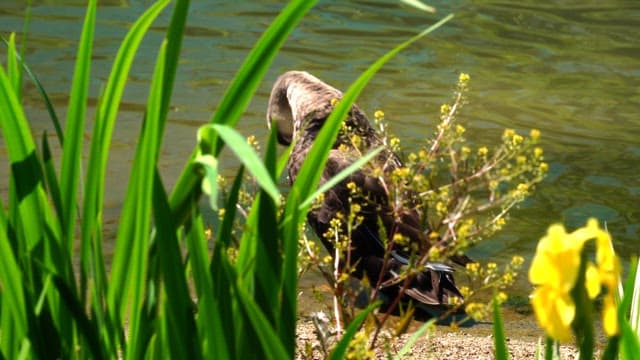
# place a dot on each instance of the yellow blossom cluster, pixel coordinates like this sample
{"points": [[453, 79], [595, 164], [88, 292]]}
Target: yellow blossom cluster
{"points": [[489, 276]]}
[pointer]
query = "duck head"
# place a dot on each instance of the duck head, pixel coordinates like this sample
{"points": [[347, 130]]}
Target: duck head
{"points": [[298, 99]]}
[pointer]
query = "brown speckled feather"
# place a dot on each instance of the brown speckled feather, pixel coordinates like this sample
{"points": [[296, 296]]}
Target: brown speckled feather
{"points": [[299, 105]]}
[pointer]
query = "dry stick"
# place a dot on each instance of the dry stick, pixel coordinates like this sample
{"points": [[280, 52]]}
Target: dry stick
{"points": [[401, 292], [485, 169], [445, 124], [338, 287], [387, 314]]}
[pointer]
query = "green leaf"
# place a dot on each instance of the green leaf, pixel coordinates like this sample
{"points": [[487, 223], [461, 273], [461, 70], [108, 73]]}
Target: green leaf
{"points": [[210, 180], [103, 129], [215, 335], [76, 309], [267, 336], [629, 344], [174, 36], [74, 131], [27, 181], [267, 256], [341, 176], [13, 312], [500, 344], [13, 67], [412, 340], [51, 177], [634, 313], [131, 257], [225, 230], [340, 350], [176, 312], [43, 93], [247, 155], [240, 91], [626, 345], [117, 297], [550, 348]]}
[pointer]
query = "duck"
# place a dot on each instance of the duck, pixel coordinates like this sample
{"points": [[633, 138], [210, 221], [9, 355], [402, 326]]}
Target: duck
{"points": [[298, 106]]}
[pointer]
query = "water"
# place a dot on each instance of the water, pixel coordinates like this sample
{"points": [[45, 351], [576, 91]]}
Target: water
{"points": [[570, 69]]}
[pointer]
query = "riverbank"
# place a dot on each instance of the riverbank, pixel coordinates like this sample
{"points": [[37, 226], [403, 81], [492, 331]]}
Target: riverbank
{"points": [[443, 342]]}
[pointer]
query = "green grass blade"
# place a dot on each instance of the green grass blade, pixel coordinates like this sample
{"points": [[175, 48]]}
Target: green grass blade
{"points": [[130, 261], [211, 328], [341, 176], [105, 119], [549, 348], [628, 345], [412, 340], [224, 305], [308, 176], [612, 349], [222, 310], [177, 309], [500, 344], [247, 79], [37, 235], [74, 131], [340, 350], [94, 187], [45, 97], [260, 246], [634, 314], [267, 336], [283, 160], [225, 229], [14, 313], [76, 309], [13, 67], [247, 155], [174, 45], [25, 169], [209, 164], [51, 177], [246, 260], [237, 96]]}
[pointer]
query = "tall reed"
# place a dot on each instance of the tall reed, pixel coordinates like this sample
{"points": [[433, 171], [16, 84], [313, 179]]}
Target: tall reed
{"points": [[142, 306]]}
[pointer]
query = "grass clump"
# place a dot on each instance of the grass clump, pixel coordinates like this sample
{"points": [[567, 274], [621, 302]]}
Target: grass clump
{"points": [[142, 307]]}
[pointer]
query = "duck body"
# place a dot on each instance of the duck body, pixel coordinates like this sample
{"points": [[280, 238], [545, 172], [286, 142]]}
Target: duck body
{"points": [[299, 105]]}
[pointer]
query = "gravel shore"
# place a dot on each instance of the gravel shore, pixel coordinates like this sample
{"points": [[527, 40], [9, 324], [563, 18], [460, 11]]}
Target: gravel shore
{"points": [[443, 342]]}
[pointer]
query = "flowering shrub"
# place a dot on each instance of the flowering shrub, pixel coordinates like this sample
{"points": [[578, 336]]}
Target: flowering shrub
{"points": [[467, 191]]}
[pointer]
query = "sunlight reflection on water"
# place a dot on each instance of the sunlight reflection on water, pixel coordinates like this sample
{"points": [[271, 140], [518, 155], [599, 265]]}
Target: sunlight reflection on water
{"points": [[570, 69]]}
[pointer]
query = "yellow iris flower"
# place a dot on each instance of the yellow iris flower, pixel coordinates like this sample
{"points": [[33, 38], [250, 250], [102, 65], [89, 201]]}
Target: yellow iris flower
{"points": [[554, 271], [609, 270]]}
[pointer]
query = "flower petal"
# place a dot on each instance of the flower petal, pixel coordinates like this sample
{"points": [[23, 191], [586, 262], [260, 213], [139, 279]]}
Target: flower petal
{"points": [[609, 316], [592, 281]]}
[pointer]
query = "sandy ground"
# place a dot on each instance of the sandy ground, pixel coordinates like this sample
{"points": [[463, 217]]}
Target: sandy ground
{"points": [[443, 342]]}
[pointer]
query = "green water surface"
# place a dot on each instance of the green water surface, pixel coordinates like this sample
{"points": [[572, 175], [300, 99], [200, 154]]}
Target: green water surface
{"points": [[568, 68]]}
